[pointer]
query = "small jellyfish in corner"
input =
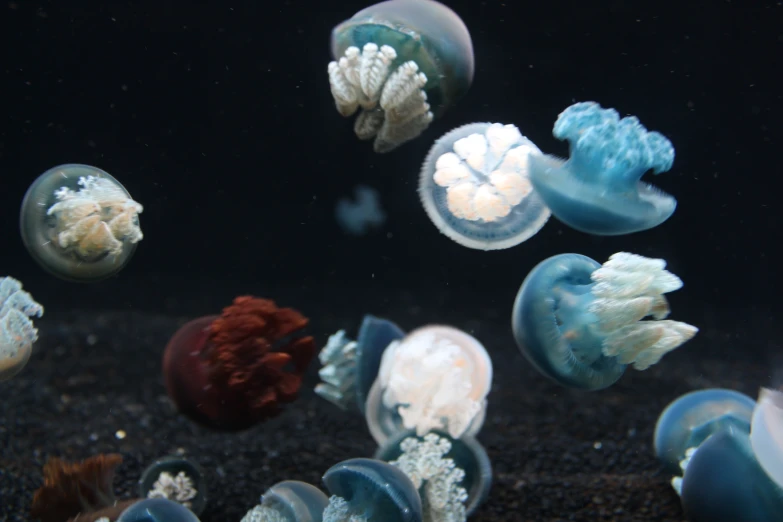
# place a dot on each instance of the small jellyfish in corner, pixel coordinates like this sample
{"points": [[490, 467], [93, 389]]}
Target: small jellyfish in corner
{"points": [[401, 63], [436, 378], [175, 478], [232, 371], [17, 333], [359, 217], [598, 189], [475, 187], [580, 323], [79, 223], [733, 471]]}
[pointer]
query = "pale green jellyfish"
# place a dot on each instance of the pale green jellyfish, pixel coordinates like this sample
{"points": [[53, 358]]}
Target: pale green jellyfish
{"points": [[403, 63]]}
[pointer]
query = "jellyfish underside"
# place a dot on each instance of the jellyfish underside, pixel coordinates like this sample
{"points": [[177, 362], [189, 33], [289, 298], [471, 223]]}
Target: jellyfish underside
{"points": [[402, 62], [598, 189], [581, 323], [79, 223], [474, 186]]}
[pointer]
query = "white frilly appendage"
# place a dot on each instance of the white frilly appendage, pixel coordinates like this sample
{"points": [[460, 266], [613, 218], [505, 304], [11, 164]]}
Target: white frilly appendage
{"points": [[487, 174], [393, 102], [97, 219], [629, 288], [179, 488], [424, 463], [338, 371], [262, 513], [677, 481], [766, 433], [339, 510], [435, 384], [17, 333]]}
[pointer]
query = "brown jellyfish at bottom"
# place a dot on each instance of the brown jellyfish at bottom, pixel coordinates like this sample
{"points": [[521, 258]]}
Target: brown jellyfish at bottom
{"points": [[232, 371]]}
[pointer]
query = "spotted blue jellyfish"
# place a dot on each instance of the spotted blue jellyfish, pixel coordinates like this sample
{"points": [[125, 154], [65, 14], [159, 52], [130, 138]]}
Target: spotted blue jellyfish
{"points": [[401, 63], [734, 470], [598, 189], [79, 223], [581, 323], [17, 333], [476, 189]]}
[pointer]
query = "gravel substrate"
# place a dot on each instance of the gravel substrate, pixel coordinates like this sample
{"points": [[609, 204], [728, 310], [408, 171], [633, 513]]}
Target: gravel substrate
{"points": [[94, 385]]}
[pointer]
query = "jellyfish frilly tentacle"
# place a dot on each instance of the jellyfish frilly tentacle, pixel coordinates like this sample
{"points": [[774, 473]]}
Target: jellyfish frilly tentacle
{"points": [[247, 360], [80, 491]]}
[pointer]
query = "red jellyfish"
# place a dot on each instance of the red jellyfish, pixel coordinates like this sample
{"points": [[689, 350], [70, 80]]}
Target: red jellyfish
{"points": [[232, 371]]}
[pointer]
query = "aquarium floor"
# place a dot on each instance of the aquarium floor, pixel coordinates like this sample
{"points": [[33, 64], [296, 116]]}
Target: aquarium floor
{"points": [[94, 385]]}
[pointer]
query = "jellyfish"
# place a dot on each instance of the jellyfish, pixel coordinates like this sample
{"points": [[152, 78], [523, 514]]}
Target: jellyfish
{"points": [[597, 190], [453, 476], [289, 501], [350, 367], [580, 323], [157, 510], [177, 479], [436, 378], [232, 371], [79, 223], [689, 420], [359, 217], [475, 188], [17, 333], [733, 473], [401, 63], [365, 490]]}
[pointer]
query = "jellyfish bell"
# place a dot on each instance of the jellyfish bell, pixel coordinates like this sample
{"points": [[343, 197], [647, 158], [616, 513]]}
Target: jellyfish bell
{"points": [[403, 63], [79, 223], [475, 188], [766, 434]]}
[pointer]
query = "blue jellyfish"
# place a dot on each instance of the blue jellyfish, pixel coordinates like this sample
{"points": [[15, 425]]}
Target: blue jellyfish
{"points": [[597, 190], [732, 474], [689, 420], [17, 333], [157, 510], [290, 501], [580, 323], [403, 63], [349, 367], [370, 489], [475, 187], [79, 223], [359, 217], [453, 476]]}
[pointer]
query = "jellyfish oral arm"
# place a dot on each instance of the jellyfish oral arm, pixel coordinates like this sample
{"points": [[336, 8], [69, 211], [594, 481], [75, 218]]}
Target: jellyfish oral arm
{"points": [[393, 102]]}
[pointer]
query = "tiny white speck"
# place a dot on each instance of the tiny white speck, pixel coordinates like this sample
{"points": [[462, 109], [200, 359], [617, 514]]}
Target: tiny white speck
{"points": [[120, 434], [597, 445]]}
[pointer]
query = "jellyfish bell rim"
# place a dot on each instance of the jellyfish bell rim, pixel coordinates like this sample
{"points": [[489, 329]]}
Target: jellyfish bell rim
{"points": [[766, 434], [369, 355], [535, 328], [40, 247], [695, 406], [589, 208], [10, 367], [444, 224], [301, 500]]}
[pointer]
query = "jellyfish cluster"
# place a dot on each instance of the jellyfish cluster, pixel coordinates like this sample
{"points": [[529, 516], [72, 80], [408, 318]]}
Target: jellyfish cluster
{"points": [[423, 394]]}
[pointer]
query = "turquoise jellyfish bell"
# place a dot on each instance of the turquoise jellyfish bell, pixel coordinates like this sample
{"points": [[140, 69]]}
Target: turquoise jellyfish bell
{"points": [[403, 63]]}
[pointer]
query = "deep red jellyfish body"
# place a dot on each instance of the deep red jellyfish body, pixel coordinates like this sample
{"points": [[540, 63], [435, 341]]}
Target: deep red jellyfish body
{"points": [[232, 371]]}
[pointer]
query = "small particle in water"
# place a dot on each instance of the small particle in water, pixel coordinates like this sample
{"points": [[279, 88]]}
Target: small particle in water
{"points": [[120, 434], [597, 445]]}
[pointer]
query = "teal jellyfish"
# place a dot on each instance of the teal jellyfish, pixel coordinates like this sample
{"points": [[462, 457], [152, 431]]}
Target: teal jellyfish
{"points": [[290, 501], [403, 63], [79, 223], [598, 189], [581, 323], [734, 468], [475, 187]]}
